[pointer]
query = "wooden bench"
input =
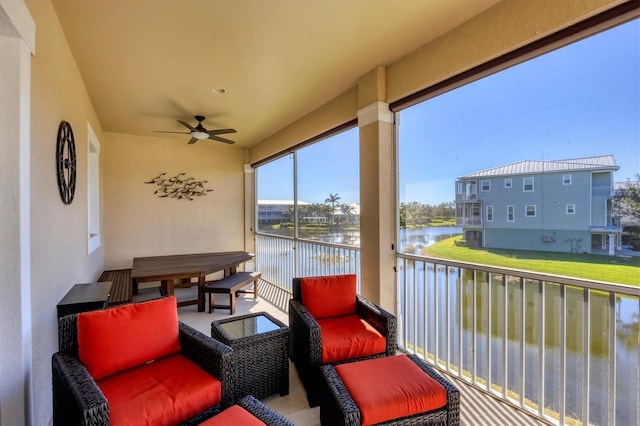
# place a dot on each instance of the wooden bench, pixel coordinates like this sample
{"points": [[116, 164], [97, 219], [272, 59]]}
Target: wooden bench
{"points": [[121, 290], [231, 285]]}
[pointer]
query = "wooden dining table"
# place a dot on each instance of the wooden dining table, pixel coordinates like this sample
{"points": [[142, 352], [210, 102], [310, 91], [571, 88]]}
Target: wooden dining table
{"points": [[184, 267]]}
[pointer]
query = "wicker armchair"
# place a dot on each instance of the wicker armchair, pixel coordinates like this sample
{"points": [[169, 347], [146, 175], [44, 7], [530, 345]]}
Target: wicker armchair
{"points": [[306, 337], [79, 400]]}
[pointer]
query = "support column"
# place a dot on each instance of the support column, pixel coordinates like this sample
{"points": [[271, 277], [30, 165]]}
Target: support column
{"points": [[377, 194], [249, 213], [612, 244], [17, 42]]}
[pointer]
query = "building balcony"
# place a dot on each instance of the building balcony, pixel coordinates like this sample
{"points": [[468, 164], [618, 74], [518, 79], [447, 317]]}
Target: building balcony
{"points": [[469, 222], [544, 348], [463, 197]]}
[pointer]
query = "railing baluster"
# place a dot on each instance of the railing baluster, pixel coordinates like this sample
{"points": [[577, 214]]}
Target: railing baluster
{"points": [[460, 323], [488, 274], [447, 319], [415, 310], [541, 369], [505, 337], [523, 312], [586, 359], [436, 312], [563, 353], [474, 326], [612, 358]]}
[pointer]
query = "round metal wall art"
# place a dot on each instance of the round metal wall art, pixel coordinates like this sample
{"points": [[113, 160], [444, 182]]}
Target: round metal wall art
{"points": [[66, 162]]}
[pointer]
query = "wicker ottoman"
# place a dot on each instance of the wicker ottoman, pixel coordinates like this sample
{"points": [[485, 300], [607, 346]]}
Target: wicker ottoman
{"points": [[261, 353], [380, 403]]}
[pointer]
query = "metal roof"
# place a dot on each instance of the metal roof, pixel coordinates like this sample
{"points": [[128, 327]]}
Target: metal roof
{"points": [[602, 162]]}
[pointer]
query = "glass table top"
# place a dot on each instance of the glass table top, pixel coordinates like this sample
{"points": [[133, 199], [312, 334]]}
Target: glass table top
{"points": [[247, 327]]}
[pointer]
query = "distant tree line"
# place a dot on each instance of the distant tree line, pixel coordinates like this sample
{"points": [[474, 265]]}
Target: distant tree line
{"points": [[418, 214], [326, 210]]}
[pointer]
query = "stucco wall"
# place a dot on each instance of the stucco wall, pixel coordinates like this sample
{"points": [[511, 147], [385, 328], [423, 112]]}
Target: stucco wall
{"points": [[138, 222], [59, 256]]}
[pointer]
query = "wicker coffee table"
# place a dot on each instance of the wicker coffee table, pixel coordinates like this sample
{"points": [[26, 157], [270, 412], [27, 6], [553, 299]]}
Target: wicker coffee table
{"points": [[261, 347]]}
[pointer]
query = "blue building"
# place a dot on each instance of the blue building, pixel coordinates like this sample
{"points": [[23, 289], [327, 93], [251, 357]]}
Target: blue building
{"points": [[559, 205]]}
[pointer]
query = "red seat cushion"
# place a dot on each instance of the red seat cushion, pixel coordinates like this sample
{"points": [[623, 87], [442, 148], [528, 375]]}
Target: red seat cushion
{"points": [[116, 339], [167, 391], [232, 416], [391, 387], [349, 337], [329, 296]]}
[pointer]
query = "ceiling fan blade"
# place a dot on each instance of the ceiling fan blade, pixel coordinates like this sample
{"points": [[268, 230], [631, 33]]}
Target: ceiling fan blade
{"points": [[221, 131], [219, 139], [181, 133], [193, 140], [187, 125]]}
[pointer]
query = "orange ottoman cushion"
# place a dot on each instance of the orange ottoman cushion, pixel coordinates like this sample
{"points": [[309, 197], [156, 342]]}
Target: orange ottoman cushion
{"points": [[329, 296], [119, 338], [349, 337], [232, 416], [391, 387], [167, 391]]}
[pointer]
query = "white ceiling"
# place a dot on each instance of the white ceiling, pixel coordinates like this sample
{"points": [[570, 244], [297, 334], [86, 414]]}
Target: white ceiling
{"points": [[147, 63]]}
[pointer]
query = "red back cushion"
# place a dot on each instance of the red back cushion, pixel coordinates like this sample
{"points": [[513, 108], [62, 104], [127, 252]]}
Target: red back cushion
{"points": [[329, 296], [116, 339]]}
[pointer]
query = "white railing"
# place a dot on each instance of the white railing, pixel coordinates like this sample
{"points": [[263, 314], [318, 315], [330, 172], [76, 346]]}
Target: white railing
{"points": [[566, 350], [279, 259]]}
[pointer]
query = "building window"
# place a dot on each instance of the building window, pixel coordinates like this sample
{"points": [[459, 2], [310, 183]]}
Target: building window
{"points": [[527, 184], [93, 191], [566, 179], [530, 210], [508, 183], [485, 185], [510, 213], [571, 209], [489, 213]]}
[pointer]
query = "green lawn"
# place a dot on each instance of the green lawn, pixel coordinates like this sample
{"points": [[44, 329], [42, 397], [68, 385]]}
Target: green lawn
{"points": [[620, 270]]}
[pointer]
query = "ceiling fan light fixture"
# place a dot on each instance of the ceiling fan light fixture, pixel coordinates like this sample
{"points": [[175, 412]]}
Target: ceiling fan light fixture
{"points": [[200, 135]]}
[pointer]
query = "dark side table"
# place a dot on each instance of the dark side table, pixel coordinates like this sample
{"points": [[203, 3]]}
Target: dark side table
{"points": [[261, 353], [85, 297]]}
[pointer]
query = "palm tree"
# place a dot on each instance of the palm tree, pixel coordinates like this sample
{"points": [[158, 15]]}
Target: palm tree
{"points": [[333, 199]]}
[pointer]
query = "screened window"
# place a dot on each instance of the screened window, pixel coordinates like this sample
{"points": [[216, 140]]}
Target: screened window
{"points": [[489, 213], [326, 205], [444, 162]]}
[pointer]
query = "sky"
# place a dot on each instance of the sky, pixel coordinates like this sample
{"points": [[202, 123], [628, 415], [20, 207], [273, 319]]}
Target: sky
{"points": [[579, 101]]}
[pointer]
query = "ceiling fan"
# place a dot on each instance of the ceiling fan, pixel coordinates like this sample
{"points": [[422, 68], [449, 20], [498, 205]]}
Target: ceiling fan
{"points": [[199, 132]]}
